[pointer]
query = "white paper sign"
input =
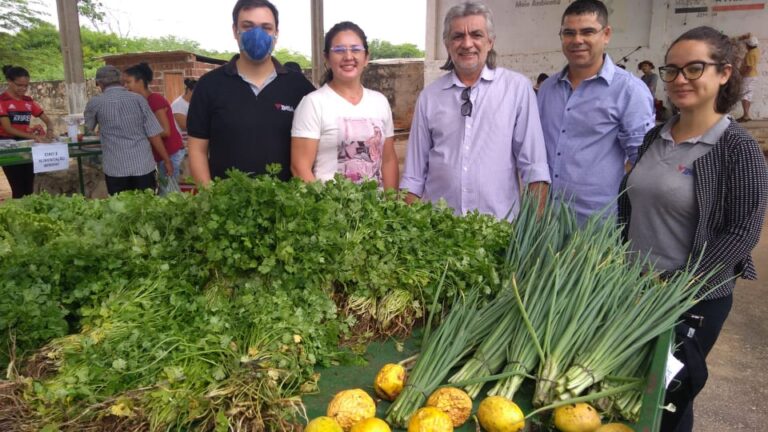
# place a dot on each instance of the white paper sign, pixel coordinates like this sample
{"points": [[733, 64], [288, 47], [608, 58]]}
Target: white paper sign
{"points": [[50, 157], [673, 367]]}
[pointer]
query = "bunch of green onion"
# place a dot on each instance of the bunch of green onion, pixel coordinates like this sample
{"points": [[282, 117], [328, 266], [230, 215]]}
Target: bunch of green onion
{"points": [[626, 405], [536, 235], [585, 277], [645, 309], [462, 328]]}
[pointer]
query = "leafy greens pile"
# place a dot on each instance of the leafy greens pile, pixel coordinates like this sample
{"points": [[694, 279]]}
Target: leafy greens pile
{"points": [[211, 311]]}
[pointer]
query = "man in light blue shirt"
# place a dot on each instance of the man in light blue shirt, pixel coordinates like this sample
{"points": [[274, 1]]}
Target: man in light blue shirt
{"points": [[594, 114], [476, 130]]}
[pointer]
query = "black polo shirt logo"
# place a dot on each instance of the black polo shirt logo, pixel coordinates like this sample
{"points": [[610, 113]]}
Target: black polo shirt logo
{"points": [[281, 107]]}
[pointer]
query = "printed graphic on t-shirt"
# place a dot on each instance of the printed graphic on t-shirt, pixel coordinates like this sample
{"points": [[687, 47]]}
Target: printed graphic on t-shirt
{"points": [[361, 143], [19, 113]]}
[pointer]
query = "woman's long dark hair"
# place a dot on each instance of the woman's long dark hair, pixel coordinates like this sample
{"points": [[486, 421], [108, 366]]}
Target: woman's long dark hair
{"points": [[338, 28], [141, 72], [723, 52]]}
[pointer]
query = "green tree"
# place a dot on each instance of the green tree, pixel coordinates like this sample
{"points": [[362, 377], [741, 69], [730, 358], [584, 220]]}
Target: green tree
{"points": [[93, 10], [25, 39], [284, 55], [35, 48], [380, 49], [18, 14]]}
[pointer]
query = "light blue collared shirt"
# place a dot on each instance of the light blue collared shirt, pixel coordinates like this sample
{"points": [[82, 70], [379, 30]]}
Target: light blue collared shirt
{"points": [[591, 132], [474, 162]]}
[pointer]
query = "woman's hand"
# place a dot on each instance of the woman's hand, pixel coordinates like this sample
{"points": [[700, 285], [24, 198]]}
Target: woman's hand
{"points": [[168, 167], [40, 135]]}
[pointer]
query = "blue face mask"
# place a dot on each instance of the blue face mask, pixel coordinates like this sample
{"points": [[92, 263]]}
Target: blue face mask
{"points": [[256, 43]]}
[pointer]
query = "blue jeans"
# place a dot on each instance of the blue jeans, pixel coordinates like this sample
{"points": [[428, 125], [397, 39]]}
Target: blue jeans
{"points": [[176, 160]]}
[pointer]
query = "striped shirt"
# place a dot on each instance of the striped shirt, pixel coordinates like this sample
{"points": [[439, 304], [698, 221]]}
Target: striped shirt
{"points": [[125, 123], [731, 188]]}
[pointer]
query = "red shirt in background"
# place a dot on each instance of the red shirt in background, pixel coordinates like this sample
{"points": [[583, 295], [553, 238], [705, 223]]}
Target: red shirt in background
{"points": [[20, 112], [173, 142]]}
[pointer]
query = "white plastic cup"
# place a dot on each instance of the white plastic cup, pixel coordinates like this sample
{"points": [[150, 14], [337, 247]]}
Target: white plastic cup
{"points": [[72, 131]]}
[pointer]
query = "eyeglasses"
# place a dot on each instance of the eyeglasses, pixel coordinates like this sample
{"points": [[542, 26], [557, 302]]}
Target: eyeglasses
{"points": [[20, 85], [354, 49], [691, 71], [466, 107], [586, 33]]}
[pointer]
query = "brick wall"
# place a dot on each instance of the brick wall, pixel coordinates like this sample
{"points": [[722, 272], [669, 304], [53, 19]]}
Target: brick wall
{"points": [[183, 64]]}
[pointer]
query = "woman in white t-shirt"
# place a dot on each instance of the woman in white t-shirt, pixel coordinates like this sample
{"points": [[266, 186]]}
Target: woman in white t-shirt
{"points": [[180, 106], [343, 127]]}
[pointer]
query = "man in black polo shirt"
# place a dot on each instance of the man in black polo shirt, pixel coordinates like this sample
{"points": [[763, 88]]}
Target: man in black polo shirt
{"points": [[241, 113]]}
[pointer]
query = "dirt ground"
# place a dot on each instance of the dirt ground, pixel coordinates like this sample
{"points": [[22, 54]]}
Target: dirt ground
{"points": [[736, 395]]}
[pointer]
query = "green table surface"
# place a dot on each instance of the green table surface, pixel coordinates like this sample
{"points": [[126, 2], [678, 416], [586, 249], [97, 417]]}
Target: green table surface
{"points": [[337, 378], [23, 155]]}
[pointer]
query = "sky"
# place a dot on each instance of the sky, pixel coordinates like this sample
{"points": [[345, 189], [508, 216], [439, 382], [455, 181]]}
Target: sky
{"points": [[209, 22]]}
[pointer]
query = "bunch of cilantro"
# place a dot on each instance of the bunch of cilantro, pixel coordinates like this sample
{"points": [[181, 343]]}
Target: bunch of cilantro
{"points": [[199, 311]]}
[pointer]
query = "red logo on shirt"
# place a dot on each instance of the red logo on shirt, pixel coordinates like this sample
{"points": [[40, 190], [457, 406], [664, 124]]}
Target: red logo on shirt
{"points": [[684, 170]]}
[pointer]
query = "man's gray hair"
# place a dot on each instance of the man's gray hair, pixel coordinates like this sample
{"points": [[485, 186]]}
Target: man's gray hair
{"points": [[107, 75], [469, 8]]}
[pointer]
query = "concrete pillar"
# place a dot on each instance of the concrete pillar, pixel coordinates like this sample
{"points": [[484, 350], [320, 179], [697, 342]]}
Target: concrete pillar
{"points": [[318, 35], [433, 41], [72, 53]]}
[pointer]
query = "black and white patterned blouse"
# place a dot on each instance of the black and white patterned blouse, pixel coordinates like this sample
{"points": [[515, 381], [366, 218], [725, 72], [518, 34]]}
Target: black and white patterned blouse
{"points": [[731, 188]]}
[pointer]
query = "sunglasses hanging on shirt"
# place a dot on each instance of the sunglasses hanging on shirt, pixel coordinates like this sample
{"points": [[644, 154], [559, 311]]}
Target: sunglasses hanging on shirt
{"points": [[466, 106]]}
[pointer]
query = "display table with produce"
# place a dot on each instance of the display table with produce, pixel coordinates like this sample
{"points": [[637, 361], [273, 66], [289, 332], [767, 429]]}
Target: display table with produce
{"points": [[20, 152], [222, 310]]}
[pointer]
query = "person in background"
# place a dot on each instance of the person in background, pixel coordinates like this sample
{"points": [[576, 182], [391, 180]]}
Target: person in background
{"points": [[344, 127], [539, 79], [127, 129], [649, 77], [750, 74], [241, 113], [594, 115], [136, 79], [651, 80], [16, 112], [697, 195], [292, 66], [180, 106], [476, 133]]}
